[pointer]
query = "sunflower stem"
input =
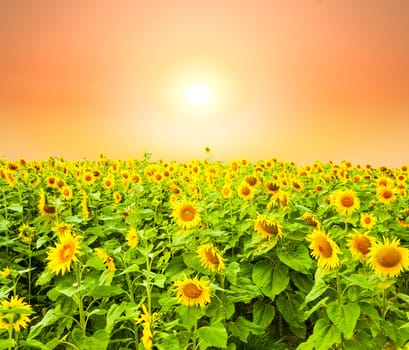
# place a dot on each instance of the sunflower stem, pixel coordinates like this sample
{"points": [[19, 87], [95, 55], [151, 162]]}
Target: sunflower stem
{"points": [[194, 338], [80, 301]]}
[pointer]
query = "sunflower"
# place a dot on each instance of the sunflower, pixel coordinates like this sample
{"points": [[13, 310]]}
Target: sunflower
{"points": [[132, 237], [66, 193], [367, 221], [192, 292], [210, 257], [104, 256], [61, 228], [226, 191], [345, 202], [271, 187], [310, 219], [324, 249], [5, 272], [17, 307], [26, 233], [147, 320], [186, 214], [63, 254], [388, 258], [267, 227], [360, 244], [385, 194], [252, 180], [44, 207], [245, 191]]}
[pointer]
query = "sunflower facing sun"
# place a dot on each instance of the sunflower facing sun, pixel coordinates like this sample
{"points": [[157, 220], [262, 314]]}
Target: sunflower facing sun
{"points": [[186, 214], [267, 227], [388, 258], [360, 244], [193, 292], [345, 202], [324, 249], [63, 254], [211, 258]]}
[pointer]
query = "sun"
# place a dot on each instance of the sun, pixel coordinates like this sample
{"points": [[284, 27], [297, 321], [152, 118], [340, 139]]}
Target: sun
{"points": [[198, 94]]}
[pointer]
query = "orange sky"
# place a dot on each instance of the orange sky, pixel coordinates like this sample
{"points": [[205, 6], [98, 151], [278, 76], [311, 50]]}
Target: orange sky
{"points": [[294, 80]]}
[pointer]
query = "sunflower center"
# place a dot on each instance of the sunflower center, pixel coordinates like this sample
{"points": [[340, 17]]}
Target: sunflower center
{"points": [[67, 252], [212, 257], [245, 191], [347, 201], [269, 228], [389, 257], [251, 180], [387, 194], [49, 209], [325, 248], [363, 244], [188, 213], [367, 220], [192, 291]]}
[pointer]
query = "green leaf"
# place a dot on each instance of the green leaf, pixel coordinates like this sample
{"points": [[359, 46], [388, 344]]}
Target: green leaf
{"points": [[99, 340], [359, 280], [242, 327], [33, 344], [272, 281], [4, 225], [298, 259], [105, 291], [16, 207], [289, 309], [344, 317], [323, 337], [309, 312], [49, 318], [213, 335], [114, 313], [44, 277], [189, 315], [316, 291], [263, 313], [7, 344]]}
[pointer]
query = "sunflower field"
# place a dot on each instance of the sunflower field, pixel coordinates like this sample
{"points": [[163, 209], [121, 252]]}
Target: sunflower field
{"points": [[143, 254]]}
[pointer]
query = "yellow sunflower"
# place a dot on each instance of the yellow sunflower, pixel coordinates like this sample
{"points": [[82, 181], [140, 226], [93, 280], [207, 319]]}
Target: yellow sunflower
{"points": [[324, 249], [385, 194], [15, 306], [5, 272], [63, 254], [345, 202], [26, 233], [210, 257], [61, 228], [186, 214], [252, 180], [147, 335], [245, 191], [193, 292], [360, 244], [132, 237], [104, 256], [367, 221], [311, 219], [267, 227], [66, 193], [226, 191], [388, 258]]}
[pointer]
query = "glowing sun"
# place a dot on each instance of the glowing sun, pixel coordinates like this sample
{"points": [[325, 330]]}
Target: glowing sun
{"points": [[198, 94]]}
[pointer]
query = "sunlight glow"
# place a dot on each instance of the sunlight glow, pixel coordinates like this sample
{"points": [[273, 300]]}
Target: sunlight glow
{"points": [[198, 94]]}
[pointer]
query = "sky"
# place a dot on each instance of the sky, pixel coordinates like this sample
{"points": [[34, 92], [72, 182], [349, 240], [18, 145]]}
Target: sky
{"points": [[295, 80]]}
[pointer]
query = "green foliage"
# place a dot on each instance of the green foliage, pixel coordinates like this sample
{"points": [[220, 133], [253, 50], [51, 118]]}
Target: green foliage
{"points": [[266, 291]]}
